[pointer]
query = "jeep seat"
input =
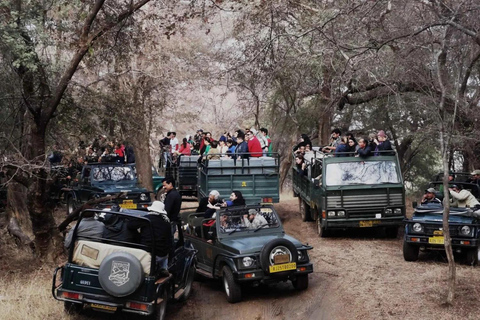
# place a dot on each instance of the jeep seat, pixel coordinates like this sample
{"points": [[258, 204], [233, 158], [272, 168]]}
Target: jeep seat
{"points": [[91, 254]]}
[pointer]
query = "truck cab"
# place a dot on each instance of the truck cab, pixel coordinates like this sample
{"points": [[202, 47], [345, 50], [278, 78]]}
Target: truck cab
{"points": [[351, 192]]}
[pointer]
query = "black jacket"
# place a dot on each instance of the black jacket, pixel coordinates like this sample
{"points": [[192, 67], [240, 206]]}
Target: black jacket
{"points": [[366, 152], [173, 203], [162, 233], [202, 207]]}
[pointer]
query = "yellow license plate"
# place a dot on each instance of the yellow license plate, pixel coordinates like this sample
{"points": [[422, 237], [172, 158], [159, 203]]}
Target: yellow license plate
{"points": [[128, 206], [103, 307], [365, 224], [436, 240], [283, 267]]}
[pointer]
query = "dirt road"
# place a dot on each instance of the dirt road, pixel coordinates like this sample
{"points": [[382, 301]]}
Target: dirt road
{"points": [[357, 275]]}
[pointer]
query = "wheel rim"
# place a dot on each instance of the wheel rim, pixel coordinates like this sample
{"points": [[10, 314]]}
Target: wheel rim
{"points": [[225, 285]]}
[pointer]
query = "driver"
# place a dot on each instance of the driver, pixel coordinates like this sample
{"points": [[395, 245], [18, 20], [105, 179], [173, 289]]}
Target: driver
{"points": [[253, 220], [429, 197]]}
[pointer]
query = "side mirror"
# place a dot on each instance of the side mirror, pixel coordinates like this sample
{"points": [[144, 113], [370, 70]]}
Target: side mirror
{"points": [[414, 204]]}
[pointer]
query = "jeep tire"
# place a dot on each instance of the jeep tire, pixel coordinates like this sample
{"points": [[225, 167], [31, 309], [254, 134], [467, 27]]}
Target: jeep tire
{"points": [[72, 308], [410, 251], [472, 256], [161, 308], [300, 282], [188, 283], [232, 289], [270, 246], [122, 285], [72, 205]]}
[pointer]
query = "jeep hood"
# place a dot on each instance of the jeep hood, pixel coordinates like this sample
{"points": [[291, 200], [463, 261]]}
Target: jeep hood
{"points": [[254, 244], [116, 188], [425, 217]]}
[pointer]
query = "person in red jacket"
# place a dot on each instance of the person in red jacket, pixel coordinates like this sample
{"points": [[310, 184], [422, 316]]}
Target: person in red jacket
{"points": [[253, 145]]}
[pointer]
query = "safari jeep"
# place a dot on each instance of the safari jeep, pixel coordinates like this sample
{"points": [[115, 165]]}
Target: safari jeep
{"points": [[116, 276], [98, 180], [239, 255], [425, 231]]}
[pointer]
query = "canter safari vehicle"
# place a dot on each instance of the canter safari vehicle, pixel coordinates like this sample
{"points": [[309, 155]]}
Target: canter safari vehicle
{"points": [[351, 192], [184, 170], [242, 254], [98, 180], [424, 231], [116, 276], [256, 178]]}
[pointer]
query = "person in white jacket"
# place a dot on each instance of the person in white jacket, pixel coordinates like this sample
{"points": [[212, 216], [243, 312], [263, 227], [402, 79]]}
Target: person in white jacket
{"points": [[253, 220], [464, 198]]}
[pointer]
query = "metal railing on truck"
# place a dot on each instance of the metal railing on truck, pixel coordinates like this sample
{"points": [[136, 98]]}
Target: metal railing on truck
{"points": [[256, 177]]}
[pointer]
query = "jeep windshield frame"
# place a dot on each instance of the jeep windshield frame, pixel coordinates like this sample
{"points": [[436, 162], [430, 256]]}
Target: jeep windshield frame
{"points": [[113, 174], [236, 225]]}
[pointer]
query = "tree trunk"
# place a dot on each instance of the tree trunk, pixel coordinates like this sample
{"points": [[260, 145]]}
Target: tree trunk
{"points": [[39, 205], [446, 233]]}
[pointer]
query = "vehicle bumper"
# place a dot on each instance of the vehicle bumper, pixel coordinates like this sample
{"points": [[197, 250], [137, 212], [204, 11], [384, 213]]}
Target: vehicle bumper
{"points": [[103, 303], [98, 302], [364, 222], [258, 275], [457, 243]]}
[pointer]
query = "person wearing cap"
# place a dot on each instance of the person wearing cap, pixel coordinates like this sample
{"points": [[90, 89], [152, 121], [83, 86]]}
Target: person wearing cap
{"points": [[382, 144], [253, 220], [158, 230], [463, 198], [475, 177], [429, 197]]}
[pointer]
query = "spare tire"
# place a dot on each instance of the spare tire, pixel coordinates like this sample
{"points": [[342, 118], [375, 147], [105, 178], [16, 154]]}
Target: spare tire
{"points": [[275, 247], [120, 274]]}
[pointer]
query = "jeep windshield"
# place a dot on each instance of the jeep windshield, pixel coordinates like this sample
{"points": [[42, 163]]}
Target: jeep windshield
{"points": [[362, 173], [242, 221], [113, 174]]}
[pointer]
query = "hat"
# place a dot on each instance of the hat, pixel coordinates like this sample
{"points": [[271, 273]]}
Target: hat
{"points": [[381, 133], [431, 190], [157, 206], [454, 186], [199, 130], [475, 172], [252, 211]]}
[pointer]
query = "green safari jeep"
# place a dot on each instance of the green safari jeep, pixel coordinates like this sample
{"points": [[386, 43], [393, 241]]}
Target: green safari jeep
{"points": [[240, 253]]}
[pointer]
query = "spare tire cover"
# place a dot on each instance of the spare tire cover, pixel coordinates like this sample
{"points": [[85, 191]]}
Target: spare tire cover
{"points": [[120, 274], [275, 247]]}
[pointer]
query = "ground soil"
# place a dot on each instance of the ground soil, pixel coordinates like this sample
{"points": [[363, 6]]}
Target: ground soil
{"points": [[357, 275]]}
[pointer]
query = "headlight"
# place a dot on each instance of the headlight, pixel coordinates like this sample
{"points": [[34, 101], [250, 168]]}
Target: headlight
{"points": [[397, 211], [388, 211], [302, 255], [465, 230], [341, 214], [331, 213], [248, 262], [143, 197], [417, 227]]}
